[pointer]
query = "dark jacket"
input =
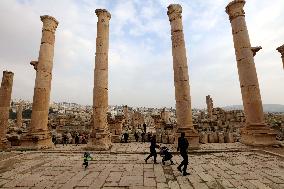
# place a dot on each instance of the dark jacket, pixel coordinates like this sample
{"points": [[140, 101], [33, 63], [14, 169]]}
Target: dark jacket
{"points": [[182, 145], [153, 144]]}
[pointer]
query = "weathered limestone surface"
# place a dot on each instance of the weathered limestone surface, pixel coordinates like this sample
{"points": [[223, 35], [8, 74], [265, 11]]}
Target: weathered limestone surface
{"points": [[5, 100], [256, 132], [19, 121], [39, 134], [209, 103], [100, 137], [281, 50], [109, 171], [181, 78]]}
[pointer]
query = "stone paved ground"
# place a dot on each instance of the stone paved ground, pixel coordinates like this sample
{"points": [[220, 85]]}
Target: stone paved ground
{"points": [[138, 147], [128, 170]]}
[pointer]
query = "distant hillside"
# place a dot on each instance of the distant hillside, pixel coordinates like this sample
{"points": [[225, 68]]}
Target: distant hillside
{"points": [[266, 107]]}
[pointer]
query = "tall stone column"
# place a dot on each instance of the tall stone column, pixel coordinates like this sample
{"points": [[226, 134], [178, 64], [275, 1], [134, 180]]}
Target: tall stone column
{"points": [[181, 78], [256, 132], [5, 100], [281, 50], [209, 103], [39, 135], [19, 121], [100, 137]]}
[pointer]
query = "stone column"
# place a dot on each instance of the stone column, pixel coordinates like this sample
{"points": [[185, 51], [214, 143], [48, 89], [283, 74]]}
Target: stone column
{"points": [[100, 137], [39, 135], [5, 100], [19, 121], [281, 50], [181, 78], [209, 103], [125, 112], [256, 132]]}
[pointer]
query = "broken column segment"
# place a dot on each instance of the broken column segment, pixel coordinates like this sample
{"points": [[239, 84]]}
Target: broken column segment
{"points": [[5, 100]]}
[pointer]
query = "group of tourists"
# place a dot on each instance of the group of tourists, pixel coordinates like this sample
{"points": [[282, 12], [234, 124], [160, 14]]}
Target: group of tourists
{"points": [[167, 156], [67, 138], [164, 152]]}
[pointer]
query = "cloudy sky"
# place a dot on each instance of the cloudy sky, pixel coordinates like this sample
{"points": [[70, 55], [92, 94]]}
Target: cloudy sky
{"points": [[140, 60]]}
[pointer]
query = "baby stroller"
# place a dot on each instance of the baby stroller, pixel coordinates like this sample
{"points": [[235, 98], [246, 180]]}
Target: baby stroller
{"points": [[167, 156]]}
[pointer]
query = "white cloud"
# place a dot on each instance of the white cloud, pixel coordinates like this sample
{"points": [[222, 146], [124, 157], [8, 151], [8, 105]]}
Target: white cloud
{"points": [[140, 61]]}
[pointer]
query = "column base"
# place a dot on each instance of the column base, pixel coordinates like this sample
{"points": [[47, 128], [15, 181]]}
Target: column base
{"points": [[258, 134], [100, 140], [35, 141], [192, 136], [5, 144], [115, 138]]}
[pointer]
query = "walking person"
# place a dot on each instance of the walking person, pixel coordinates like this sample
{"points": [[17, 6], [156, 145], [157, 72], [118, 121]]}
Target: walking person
{"points": [[87, 158], [77, 139], [65, 139], [153, 149], [54, 140], [144, 127], [143, 137], [182, 148], [136, 136], [125, 137]]}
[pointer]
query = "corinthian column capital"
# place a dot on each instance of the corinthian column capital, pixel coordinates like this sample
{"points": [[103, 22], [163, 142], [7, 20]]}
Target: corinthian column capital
{"points": [[235, 9], [174, 11], [103, 13], [49, 23]]}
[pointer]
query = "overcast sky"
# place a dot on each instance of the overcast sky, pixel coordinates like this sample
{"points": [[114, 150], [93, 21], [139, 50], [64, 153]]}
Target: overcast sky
{"points": [[140, 59]]}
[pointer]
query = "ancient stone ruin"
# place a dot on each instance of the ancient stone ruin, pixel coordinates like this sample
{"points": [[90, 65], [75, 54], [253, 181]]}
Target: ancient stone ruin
{"points": [[256, 132], [215, 125], [100, 136], [181, 78], [39, 135], [5, 99]]}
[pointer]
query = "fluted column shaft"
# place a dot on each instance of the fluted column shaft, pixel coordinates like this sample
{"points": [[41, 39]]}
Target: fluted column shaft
{"points": [[43, 67], [5, 100]]}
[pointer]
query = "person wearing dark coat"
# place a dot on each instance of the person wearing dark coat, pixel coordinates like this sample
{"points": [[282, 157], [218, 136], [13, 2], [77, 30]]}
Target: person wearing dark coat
{"points": [[136, 136], [182, 148], [143, 137], [77, 139], [144, 127], [153, 147], [125, 136]]}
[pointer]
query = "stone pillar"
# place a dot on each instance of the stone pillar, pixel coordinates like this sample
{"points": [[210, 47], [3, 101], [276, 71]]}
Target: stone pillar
{"points": [[100, 137], [181, 78], [125, 112], [209, 103], [281, 50], [19, 121], [5, 100], [39, 135], [256, 132]]}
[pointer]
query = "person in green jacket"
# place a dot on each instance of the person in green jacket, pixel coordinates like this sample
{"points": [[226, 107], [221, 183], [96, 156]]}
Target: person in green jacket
{"points": [[87, 158]]}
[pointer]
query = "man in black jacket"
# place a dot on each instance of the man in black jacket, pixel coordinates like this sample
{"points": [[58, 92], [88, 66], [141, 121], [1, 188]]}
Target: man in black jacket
{"points": [[182, 147], [153, 149]]}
